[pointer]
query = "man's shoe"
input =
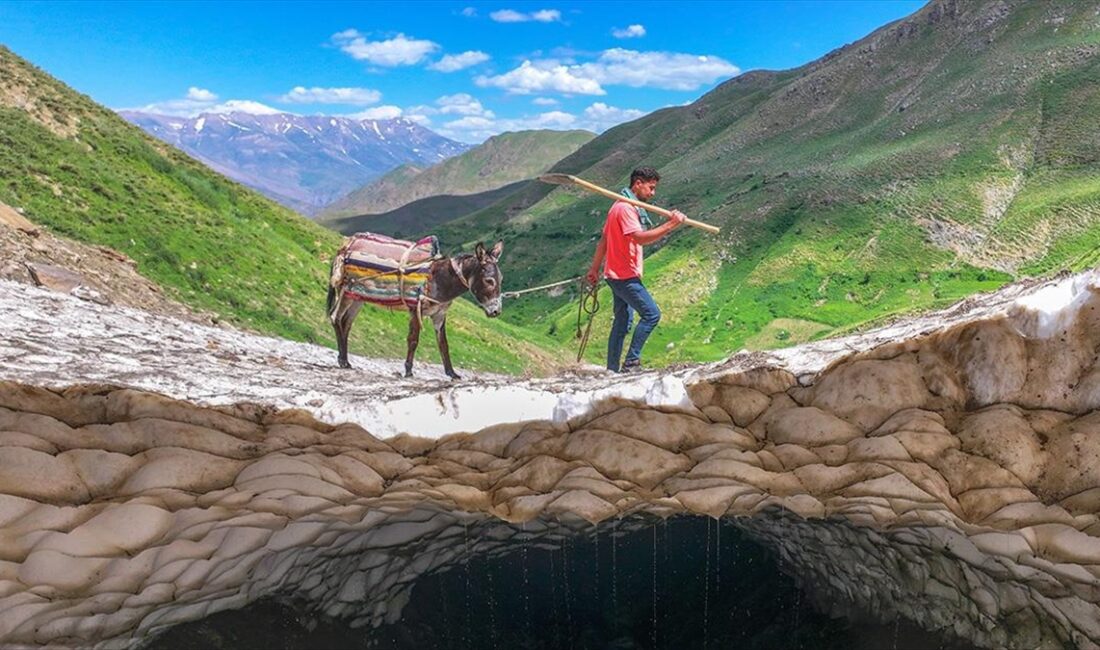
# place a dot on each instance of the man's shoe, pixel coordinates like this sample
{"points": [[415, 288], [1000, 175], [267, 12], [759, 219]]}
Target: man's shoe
{"points": [[631, 366]]}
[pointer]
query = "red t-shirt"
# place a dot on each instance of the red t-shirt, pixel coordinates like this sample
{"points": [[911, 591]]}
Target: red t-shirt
{"points": [[623, 258]]}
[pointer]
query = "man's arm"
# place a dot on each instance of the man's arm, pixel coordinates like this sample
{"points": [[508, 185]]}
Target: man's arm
{"points": [[644, 237], [597, 259]]}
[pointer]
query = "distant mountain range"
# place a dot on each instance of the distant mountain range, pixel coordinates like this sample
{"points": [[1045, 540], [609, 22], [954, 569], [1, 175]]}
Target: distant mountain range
{"points": [[499, 161], [303, 162]]}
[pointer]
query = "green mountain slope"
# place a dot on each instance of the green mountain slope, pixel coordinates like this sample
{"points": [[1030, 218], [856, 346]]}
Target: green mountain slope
{"points": [[422, 216], [941, 155], [501, 160], [389, 185], [83, 172]]}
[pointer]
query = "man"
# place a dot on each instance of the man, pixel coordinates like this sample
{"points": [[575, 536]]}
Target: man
{"points": [[620, 252]]}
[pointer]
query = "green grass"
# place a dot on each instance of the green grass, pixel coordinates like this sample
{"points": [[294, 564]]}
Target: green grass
{"points": [[783, 332]]}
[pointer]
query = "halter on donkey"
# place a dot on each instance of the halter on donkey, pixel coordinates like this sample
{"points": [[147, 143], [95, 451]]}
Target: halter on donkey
{"points": [[393, 273]]}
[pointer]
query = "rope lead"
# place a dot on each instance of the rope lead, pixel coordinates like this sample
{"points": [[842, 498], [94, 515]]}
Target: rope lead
{"points": [[589, 304], [516, 294]]}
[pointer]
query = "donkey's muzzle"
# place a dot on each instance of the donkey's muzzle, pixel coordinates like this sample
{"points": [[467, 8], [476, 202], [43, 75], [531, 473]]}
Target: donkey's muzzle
{"points": [[492, 308]]}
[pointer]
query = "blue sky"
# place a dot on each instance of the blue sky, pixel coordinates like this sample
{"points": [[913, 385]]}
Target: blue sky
{"points": [[464, 69]]}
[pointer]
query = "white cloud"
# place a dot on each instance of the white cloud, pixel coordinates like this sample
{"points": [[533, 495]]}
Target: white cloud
{"points": [[455, 62], [509, 16], [199, 100], [667, 70], [546, 16], [399, 50], [200, 94], [462, 104], [173, 107], [419, 119], [633, 31], [469, 12], [617, 66], [243, 106], [470, 125], [387, 112], [599, 116], [541, 16], [552, 119], [545, 101], [477, 128], [353, 96], [418, 114], [457, 104], [421, 109], [543, 76]]}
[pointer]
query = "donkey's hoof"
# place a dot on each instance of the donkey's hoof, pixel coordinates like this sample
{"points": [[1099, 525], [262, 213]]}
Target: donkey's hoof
{"points": [[344, 364], [454, 376], [408, 374]]}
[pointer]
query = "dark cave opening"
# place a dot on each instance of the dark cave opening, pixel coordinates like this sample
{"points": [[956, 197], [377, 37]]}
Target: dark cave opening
{"points": [[684, 582]]}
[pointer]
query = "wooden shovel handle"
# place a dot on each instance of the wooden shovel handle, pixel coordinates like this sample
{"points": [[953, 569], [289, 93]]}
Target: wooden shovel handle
{"points": [[641, 204]]}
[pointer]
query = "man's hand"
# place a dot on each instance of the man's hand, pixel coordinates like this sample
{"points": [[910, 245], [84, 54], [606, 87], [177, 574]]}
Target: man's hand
{"points": [[592, 276], [678, 217]]}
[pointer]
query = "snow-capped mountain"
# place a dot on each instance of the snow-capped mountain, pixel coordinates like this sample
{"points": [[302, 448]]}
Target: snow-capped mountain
{"points": [[303, 162]]}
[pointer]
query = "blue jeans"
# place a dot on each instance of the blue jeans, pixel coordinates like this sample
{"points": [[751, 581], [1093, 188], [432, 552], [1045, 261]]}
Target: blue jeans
{"points": [[630, 296]]}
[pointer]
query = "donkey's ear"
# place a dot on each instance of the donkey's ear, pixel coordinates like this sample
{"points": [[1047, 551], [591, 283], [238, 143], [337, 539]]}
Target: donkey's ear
{"points": [[480, 252], [498, 248]]}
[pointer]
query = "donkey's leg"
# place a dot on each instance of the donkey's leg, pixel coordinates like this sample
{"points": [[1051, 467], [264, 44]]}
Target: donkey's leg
{"points": [[335, 303], [439, 321], [412, 341], [342, 322], [337, 318]]}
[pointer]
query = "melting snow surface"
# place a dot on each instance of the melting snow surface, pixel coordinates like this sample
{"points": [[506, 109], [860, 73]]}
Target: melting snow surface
{"points": [[53, 339], [199, 124], [1055, 304], [57, 340]]}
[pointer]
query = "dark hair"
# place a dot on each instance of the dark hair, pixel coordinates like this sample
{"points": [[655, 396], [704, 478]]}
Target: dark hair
{"points": [[645, 174]]}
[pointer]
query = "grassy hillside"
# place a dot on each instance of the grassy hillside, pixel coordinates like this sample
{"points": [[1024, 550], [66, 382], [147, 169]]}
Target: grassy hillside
{"points": [[423, 216], [941, 155], [501, 160], [390, 184], [80, 170]]}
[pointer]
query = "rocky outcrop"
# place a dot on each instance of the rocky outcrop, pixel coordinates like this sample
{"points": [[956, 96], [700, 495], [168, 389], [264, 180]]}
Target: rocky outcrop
{"points": [[951, 478], [35, 256]]}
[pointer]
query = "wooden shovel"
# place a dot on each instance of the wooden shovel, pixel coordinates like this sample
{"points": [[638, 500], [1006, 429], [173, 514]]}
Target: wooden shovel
{"points": [[567, 179]]}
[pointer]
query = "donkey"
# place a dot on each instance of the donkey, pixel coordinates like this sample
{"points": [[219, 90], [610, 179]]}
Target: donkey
{"points": [[448, 278]]}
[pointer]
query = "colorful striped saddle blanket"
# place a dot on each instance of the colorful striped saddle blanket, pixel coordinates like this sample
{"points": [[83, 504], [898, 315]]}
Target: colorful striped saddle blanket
{"points": [[384, 271]]}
